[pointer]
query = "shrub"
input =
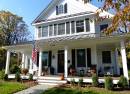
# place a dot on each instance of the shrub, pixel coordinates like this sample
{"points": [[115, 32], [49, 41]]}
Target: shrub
{"points": [[13, 69], [25, 70], [30, 77], [6, 77], [109, 83], [80, 82], [95, 81], [17, 77], [72, 82], [2, 74], [123, 82]]}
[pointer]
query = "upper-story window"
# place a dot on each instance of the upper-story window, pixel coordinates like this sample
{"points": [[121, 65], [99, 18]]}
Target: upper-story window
{"points": [[61, 29], [39, 32], [80, 26], [103, 27], [61, 9], [45, 31]]}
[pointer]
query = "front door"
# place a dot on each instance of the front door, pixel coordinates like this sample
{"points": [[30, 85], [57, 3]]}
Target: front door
{"points": [[61, 61]]}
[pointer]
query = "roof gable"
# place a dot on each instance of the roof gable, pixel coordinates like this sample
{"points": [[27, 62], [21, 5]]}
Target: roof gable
{"points": [[73, 7]]}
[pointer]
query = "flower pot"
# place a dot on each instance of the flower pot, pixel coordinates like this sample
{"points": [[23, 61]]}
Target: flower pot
{"points": [[61, 78]]}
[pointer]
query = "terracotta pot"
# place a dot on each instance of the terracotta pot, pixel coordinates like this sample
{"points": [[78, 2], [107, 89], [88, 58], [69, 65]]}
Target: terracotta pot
{"points": [[43, 74], [25, 73], [63, 75]]}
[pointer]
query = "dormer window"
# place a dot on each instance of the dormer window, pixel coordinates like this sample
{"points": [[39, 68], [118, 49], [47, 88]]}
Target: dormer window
{"points": [[61, 9]]}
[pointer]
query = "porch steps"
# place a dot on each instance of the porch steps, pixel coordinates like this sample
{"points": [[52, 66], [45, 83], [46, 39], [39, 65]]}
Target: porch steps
{"points": [[50, 80]]}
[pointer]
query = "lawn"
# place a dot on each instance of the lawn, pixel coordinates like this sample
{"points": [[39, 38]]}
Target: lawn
{"points": [[9, 87], [56, 90]]}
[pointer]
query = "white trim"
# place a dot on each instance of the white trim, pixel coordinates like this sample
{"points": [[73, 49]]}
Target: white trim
{"points": [[7, 62]]}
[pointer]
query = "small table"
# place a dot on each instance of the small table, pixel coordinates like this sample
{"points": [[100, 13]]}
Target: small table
{"points": [[82, 72]]}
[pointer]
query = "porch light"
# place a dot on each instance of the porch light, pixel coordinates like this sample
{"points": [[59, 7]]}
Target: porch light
{"points": [[53, 57]]}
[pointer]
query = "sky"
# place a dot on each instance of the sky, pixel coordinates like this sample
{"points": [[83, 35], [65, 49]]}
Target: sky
{"points": [[29, 9]]}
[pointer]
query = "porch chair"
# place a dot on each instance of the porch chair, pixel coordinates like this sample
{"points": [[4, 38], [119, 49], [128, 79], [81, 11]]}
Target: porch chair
{"points": [[73, 70], [92, 70]]}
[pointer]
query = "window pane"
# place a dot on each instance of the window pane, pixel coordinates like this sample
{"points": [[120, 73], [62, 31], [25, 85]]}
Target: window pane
{"points": [[44, 58], [55, 29], [50, 30], [39, 32], [81, 59], [61, 29], [60, 9], [106, 56], [67, 28], [80, 26], [45, 31], [87, 25], [103, 27], [72, 27]]}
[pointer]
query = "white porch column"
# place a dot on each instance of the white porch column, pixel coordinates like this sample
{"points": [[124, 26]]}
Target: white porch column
{"points": [[26, 61], [23, 56], [7, 62], [117, 63], [124, 60], [66, 60], [95, 53], [31, 63], [40, 62]]}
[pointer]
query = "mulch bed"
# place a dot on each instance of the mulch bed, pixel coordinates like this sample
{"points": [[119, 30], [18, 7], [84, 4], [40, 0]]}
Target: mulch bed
{"points": [[23, 82], [90, 87]]}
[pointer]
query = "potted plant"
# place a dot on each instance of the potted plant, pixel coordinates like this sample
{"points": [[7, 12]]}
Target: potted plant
{"points": [[25, 71]]}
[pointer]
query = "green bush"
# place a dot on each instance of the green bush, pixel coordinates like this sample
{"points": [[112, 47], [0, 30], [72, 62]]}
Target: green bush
{"points": [[95, 81], [17, 77], [2, 74], [14, 69], [30, 77], [72, 82], [80, 82], [123, 82], [109, 83], [25, 70], [6, 77]]}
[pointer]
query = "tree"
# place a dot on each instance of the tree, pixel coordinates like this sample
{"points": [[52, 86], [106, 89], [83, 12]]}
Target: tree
{"points": [[13, 29], [121, 18]]}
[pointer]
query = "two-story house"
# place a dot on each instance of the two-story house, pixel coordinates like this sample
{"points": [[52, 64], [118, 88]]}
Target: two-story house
{"points": [[65, 37]]}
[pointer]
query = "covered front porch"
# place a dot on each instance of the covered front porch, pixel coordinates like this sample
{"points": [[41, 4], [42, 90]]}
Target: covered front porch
{"points": [[81, 54]]}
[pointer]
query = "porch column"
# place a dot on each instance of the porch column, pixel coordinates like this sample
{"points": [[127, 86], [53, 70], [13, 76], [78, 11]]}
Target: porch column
{"points": [[26, 61], [40, 62], [31, 63], [66, 59], [124, 60], [23, 63], [7, 62], [117, 63], [95, 53]]}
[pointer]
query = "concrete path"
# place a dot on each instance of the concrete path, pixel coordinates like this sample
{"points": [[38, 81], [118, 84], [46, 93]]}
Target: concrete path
{"points": [[35, 90]]}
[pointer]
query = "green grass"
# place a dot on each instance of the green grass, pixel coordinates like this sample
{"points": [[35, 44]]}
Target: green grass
{"points": [[9, 88], [74, 91]]}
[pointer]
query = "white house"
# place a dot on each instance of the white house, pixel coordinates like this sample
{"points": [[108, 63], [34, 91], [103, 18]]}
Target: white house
{"points": [[64, 36]]}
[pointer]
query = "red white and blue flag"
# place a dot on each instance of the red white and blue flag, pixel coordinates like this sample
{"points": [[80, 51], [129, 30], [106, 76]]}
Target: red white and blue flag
{"points": [[34, 54]]}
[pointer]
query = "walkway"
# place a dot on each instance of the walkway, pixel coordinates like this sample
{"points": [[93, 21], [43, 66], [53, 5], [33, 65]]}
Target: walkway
{"points": [[35, 90]]}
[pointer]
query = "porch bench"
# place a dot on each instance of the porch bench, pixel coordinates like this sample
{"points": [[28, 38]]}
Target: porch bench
{"points": [[72, 71]]}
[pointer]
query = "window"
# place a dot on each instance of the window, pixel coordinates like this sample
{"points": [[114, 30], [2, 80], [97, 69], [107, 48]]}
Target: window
{"points": [[61, 10], [72, 27], [106, 56], [87, 25], [103, 27], [80, 26], [55, 29], [81, 59], [61, 29], [44, 58], [39, 32], [45, 31], [67, 28], [50, 30]]}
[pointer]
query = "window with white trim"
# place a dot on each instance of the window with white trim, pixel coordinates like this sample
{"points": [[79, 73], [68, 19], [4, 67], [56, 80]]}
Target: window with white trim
{"points": [[61, 29], [39, 32], [61, 9], [106, 56], [80, 26], [45, 31]]}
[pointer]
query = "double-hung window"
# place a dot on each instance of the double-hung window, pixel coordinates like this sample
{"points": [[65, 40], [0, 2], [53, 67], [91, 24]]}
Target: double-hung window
{"points": [[61, 10], [80, 26], [61, 29], [106, 56], [39, 32], [44, 58], [45, 31], [104, 26]]}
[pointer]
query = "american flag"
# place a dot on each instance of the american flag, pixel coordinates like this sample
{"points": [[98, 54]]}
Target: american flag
{"points": [[33, 53]]}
